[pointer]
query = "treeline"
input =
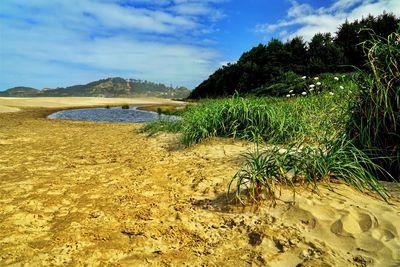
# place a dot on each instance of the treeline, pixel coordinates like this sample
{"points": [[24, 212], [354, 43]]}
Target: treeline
{"points": [[264, 65]]}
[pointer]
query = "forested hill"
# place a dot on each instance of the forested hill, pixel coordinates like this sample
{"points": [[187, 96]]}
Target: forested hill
{"points": [[261, 69], [110, 87]]}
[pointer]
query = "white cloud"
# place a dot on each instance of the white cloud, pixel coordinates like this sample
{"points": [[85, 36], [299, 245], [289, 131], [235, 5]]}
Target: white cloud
{"points": [[191, 9], [308, 21], [59, 43]]}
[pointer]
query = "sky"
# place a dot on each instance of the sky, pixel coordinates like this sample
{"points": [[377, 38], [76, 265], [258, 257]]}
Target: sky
{"points": [[58, 43]]}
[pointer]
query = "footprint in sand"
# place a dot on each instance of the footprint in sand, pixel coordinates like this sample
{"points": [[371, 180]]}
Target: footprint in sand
{"points": [[383, 234], [352, 223]]}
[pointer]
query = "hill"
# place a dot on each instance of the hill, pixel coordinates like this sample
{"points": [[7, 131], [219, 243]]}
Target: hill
{"points": [[20, 91], [110, 87]]}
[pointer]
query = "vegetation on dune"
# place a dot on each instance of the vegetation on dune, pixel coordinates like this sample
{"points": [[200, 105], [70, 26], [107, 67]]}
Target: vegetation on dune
{"points": [[328, 128], [376, 114], [305, 114], [309, 120], [265, 172]]}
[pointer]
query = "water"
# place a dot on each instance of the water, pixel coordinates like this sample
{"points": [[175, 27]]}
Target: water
{"points": [[114, 114]]}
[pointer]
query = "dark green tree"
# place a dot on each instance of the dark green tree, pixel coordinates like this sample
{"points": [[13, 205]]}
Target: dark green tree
{"points": [[296, 59], [324, 54]]}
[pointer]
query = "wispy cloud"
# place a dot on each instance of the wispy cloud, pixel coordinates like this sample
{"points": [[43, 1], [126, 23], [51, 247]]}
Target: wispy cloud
{"points": [[305, 20], [58, 43]]}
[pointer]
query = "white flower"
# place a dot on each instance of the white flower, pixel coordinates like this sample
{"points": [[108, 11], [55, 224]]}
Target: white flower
{"points": [[312, 89], [291, 91], [341, 87], [293, 94], [336, 78], [287, 95], [318, 83], [331, 93], [312, 86], [304, 93], [304, 77], [316, 78]]}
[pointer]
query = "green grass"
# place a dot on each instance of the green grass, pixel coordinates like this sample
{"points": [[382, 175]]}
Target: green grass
{"points": [[171, 126], [276, 120], [376, 120], [313, 127], [165, 109], [265, 172]]}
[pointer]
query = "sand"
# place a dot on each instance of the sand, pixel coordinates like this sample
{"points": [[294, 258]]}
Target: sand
{"points": [[12, 104], [86, 193]]}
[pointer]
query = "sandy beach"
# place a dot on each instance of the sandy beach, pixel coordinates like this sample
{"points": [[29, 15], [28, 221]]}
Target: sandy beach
{"points": [[89, 193]]}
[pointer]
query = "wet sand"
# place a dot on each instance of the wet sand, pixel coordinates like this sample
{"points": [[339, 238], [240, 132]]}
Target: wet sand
{"points": [[88, 193]]}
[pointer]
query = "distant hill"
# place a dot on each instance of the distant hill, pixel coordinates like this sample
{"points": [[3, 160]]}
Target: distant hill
{"points": [[20, 91], [110, 87]]}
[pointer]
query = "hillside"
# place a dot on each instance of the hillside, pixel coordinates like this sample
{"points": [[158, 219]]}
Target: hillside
{"points": [[110, 87], [20, 91]]}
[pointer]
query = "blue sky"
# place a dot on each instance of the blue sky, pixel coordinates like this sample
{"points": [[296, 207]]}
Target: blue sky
{"points": [[57, 43]]}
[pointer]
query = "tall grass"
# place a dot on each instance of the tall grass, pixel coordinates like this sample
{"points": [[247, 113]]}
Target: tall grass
{"points": [[265, 172], [313, 126], [310, 118], [376, 120]]}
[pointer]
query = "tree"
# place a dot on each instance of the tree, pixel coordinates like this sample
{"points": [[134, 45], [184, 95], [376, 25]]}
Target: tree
{"points": [[324, 54], [296, 55]]}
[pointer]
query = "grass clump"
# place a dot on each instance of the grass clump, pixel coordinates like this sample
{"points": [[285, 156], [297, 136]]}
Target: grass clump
{"points": [[165, 109], [262, 174], [376, 116], [171, 126], [265, 172]]}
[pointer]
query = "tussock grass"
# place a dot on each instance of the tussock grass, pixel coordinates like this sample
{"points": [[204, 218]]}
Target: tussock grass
{"points": [[376, 120], [265, 172]]}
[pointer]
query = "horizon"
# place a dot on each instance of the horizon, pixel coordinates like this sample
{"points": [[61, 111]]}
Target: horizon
{"points": [[173, 42]]}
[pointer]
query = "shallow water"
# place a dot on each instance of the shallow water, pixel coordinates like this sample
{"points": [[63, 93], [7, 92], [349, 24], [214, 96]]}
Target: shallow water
{"points": [[114, 114]]}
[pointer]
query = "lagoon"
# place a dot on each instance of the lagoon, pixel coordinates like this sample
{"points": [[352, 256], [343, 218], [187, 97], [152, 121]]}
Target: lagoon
{"points": [[112, 114]]}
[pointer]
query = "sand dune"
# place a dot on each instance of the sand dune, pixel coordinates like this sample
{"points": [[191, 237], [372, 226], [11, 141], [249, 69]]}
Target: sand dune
{"points": [[11, 104], [85, 193]]}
